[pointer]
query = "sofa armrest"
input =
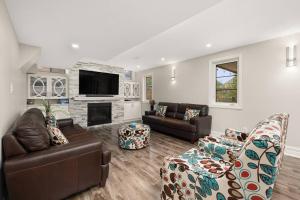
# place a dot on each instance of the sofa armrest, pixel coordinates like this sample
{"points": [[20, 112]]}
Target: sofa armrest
{"points": [[61, 123], [151, 112], [203, 125], [235, 134], [53, 155]]}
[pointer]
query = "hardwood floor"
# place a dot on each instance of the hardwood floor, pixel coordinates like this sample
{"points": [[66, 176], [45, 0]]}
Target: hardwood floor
{"points": [[134, 174]]}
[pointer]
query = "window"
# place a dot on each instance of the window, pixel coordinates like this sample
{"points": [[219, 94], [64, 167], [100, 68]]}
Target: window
{"points": [[225, 84], [148, 88]]}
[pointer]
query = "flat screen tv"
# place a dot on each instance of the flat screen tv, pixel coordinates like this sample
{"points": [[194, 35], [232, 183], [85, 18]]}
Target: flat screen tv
{"points": [[98, 83]]}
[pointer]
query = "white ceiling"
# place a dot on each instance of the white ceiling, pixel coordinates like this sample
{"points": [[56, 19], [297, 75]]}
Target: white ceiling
{"points": [[140, 32], [102, 28]]}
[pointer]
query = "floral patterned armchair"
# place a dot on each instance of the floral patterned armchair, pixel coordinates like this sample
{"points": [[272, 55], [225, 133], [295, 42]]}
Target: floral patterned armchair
{"points": [[199, 174]]}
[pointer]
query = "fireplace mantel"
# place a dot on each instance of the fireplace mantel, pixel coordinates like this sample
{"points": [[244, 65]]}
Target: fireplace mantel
{"points": [[83, 98]]}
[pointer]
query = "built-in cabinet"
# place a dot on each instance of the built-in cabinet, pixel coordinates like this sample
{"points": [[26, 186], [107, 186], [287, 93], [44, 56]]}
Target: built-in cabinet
{"points": [[131, 89], [47, 86], [132, 110]]}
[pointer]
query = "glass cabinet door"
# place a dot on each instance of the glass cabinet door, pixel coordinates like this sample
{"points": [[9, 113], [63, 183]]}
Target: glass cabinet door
{"points": [[59, 87], [127, 89], [38, 86]]}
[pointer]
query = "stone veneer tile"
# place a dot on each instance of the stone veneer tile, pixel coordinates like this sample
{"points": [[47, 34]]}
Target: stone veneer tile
{"points": [[78, 109]]}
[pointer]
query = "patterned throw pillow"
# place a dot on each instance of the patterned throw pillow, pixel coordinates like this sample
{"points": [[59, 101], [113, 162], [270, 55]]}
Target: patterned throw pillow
{"points": [[161, 111], [56, 136], [190, 113]]}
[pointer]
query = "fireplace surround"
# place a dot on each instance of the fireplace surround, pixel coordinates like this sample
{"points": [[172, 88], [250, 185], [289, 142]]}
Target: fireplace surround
{"points": [[78, 104]]}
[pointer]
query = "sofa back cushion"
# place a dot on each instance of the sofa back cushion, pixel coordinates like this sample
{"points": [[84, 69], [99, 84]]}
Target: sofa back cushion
{"points": [[31, 131], [171, 109], [183, 106]]}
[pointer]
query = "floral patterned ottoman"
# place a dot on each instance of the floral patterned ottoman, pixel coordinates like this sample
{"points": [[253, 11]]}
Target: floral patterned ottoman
{"points": [[134, 138]]}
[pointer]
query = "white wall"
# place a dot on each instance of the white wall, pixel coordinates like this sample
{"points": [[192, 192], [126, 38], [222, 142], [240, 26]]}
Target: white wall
{"points": [[11, 103], [267, 86]]}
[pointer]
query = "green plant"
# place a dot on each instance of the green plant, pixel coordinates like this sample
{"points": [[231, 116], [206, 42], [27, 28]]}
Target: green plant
{"points": [[47, 106]]}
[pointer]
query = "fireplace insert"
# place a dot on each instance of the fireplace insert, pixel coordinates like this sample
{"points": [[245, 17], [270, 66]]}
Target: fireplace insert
{"points": [[99, 113]]}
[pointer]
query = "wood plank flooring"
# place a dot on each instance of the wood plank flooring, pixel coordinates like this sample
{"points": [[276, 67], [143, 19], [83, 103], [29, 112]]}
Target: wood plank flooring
{"points": [[134, 174]]}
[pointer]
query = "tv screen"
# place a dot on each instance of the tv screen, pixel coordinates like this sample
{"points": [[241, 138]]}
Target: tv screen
{"points": [[98, 83]]}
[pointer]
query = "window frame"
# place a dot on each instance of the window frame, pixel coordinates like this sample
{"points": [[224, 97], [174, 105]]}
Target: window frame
{"points": [[144, 87], [212, 82]]}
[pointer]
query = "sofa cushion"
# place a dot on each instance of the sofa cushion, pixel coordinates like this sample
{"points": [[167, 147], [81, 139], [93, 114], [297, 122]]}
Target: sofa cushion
{"points": [[171, 123], [183, 106], [171, 109], [179, 124], [31, 131], [152, 119]]}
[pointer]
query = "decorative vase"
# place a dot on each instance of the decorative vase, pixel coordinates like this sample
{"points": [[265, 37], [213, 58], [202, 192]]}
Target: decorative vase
{"points": [[152, 103], [50, 119]]}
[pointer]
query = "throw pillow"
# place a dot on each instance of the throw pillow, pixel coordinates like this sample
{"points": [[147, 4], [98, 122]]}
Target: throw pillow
{"points": [[161, 110], [190, 113], [32, 134], [56, 136]]}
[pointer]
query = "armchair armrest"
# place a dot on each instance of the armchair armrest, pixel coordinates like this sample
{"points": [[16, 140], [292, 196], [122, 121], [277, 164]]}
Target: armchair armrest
{"points": [[203, 125], [221, 151], [151, 112], [235, 134], [61, 123], [55, 154]]}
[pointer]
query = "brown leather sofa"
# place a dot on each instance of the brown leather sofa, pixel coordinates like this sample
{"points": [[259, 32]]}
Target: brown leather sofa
{"points": [[35, 170], [174, 124]]}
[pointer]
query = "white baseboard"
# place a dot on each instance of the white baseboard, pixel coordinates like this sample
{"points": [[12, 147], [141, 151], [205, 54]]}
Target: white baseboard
{"points": [[216, 133], [292, 151], [289, 150]]}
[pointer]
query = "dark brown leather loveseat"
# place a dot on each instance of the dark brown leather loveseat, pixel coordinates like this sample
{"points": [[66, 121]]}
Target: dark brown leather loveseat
{"points": [[174, 124], [35, 170]]}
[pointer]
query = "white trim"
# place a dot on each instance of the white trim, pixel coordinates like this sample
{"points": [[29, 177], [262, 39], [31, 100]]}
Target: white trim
{"points": [[289, 150], [216, 133], [292, 151], [212, 83]]}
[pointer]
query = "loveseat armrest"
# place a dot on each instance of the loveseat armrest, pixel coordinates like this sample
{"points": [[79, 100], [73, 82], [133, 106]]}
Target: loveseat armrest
{"points": [[235, 134], [151, 112], [53, 155], [203, 125], [61, 123]]}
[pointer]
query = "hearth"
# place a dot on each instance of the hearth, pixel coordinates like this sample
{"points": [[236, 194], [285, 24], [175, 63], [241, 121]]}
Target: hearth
{"points": [[99, 113]]}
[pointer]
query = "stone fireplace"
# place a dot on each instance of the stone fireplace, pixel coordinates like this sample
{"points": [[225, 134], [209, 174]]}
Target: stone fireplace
{"points": [[79, 105]]}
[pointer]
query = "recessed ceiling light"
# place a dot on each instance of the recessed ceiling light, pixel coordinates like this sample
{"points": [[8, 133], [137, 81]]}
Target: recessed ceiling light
{"points": [[138, 66], [162, 59], [75, 46], [208, 45]]}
